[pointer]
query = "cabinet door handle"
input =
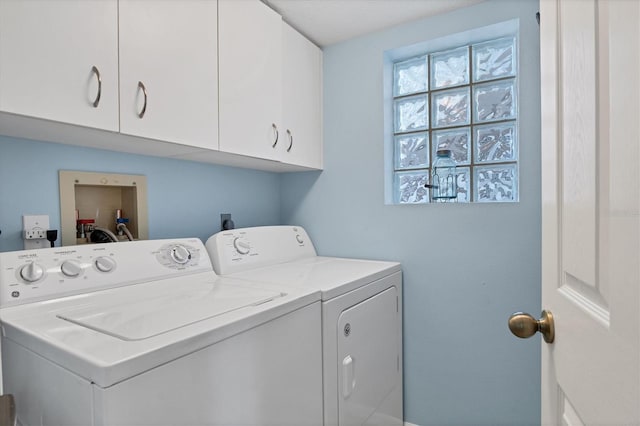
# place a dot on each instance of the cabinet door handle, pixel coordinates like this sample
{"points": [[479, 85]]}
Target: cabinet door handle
{"points": [[275, 130], [96, 71], [290, 140], [144, 91]]}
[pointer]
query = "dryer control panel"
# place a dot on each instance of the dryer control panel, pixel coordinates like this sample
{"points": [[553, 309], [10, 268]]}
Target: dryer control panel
{"points": [[33, 275], [242, 249]]}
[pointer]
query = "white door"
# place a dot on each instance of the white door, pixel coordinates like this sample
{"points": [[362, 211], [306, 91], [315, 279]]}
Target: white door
{"points": [[302, 100], [250, 51], [590, 211], [168, 70], [59, 61]]}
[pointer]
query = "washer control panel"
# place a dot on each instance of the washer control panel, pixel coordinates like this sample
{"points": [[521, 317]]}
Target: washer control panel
{"points": [[32, 275], [241, 249]]}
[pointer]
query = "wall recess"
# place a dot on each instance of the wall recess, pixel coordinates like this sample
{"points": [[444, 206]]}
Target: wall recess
{"points": [[89, 199]]}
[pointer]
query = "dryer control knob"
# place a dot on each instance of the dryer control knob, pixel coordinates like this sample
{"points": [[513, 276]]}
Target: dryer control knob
{"points": [[299, 239], [241, 246], [180, 254], [31, 272], [105, 264], [71, 268]]}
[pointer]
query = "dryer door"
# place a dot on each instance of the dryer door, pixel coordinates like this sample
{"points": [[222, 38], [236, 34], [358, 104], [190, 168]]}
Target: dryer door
{"points": [[368, 360]]}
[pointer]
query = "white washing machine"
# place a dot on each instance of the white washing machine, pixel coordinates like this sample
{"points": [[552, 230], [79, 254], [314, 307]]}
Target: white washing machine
{"points": [[361, 315], [146, 333]]}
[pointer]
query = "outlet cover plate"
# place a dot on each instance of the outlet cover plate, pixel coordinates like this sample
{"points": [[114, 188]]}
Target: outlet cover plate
{"points": [[223, 218], [35, 222]]}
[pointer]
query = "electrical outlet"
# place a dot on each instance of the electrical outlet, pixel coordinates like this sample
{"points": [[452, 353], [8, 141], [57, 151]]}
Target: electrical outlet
{"points": [[226, 222], [35, 234], [35, 231]]}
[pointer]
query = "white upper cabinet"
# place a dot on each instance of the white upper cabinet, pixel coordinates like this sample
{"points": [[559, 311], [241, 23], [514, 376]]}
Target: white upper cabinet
{"points": [[250, 57], [222, 81], [270, 86], [168, 71], [59, 61], [302, 100]]}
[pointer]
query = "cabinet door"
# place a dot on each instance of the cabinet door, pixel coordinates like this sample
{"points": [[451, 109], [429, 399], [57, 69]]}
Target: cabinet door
{"points": [[53, 55], [168, 71], [302, 100], [250, 53]]}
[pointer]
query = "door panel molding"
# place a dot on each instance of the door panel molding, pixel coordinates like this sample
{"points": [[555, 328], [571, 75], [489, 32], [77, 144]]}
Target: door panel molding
{"points": [[586, 298], [568, 414]]}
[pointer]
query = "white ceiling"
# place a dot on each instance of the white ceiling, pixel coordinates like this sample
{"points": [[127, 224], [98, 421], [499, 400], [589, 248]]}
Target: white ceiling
{"points": [[327, 22]]}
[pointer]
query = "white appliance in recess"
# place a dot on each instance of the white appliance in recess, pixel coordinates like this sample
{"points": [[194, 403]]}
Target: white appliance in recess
{"points": [[361, 315], [144, 332]]}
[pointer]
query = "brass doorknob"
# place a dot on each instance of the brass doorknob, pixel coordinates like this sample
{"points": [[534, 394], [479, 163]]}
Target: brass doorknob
{"points": [[524, 325]]}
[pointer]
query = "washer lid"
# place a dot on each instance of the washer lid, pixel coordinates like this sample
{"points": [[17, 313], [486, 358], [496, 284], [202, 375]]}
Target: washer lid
{"points": [[140, 316]]}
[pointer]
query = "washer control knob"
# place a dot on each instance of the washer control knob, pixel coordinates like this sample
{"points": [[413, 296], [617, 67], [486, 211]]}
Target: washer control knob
{"points": [[241, 246], [180, 254], [71, 268], [299, 239], [104, 264], [31, 272]]}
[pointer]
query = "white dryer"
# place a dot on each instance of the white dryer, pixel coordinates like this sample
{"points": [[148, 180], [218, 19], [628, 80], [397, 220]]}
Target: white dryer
{"points": [[361, 315], [146, 333]]}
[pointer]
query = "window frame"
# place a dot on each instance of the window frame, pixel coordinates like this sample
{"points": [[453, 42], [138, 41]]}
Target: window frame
{"points": [[474, 165]]}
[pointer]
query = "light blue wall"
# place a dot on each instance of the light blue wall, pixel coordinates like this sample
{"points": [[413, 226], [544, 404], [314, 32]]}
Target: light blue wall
{"points": [[185, 198], [466, 267]]}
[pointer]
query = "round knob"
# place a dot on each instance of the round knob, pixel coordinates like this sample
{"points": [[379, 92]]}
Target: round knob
{"points": [[180, 254], [105, 264], [299, 239], [31, 272], [241, 246], [70, 268], [524, 325]]}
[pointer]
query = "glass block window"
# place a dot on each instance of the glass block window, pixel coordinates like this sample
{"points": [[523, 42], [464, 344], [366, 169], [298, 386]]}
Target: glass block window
{"points": [[464, 100]]}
